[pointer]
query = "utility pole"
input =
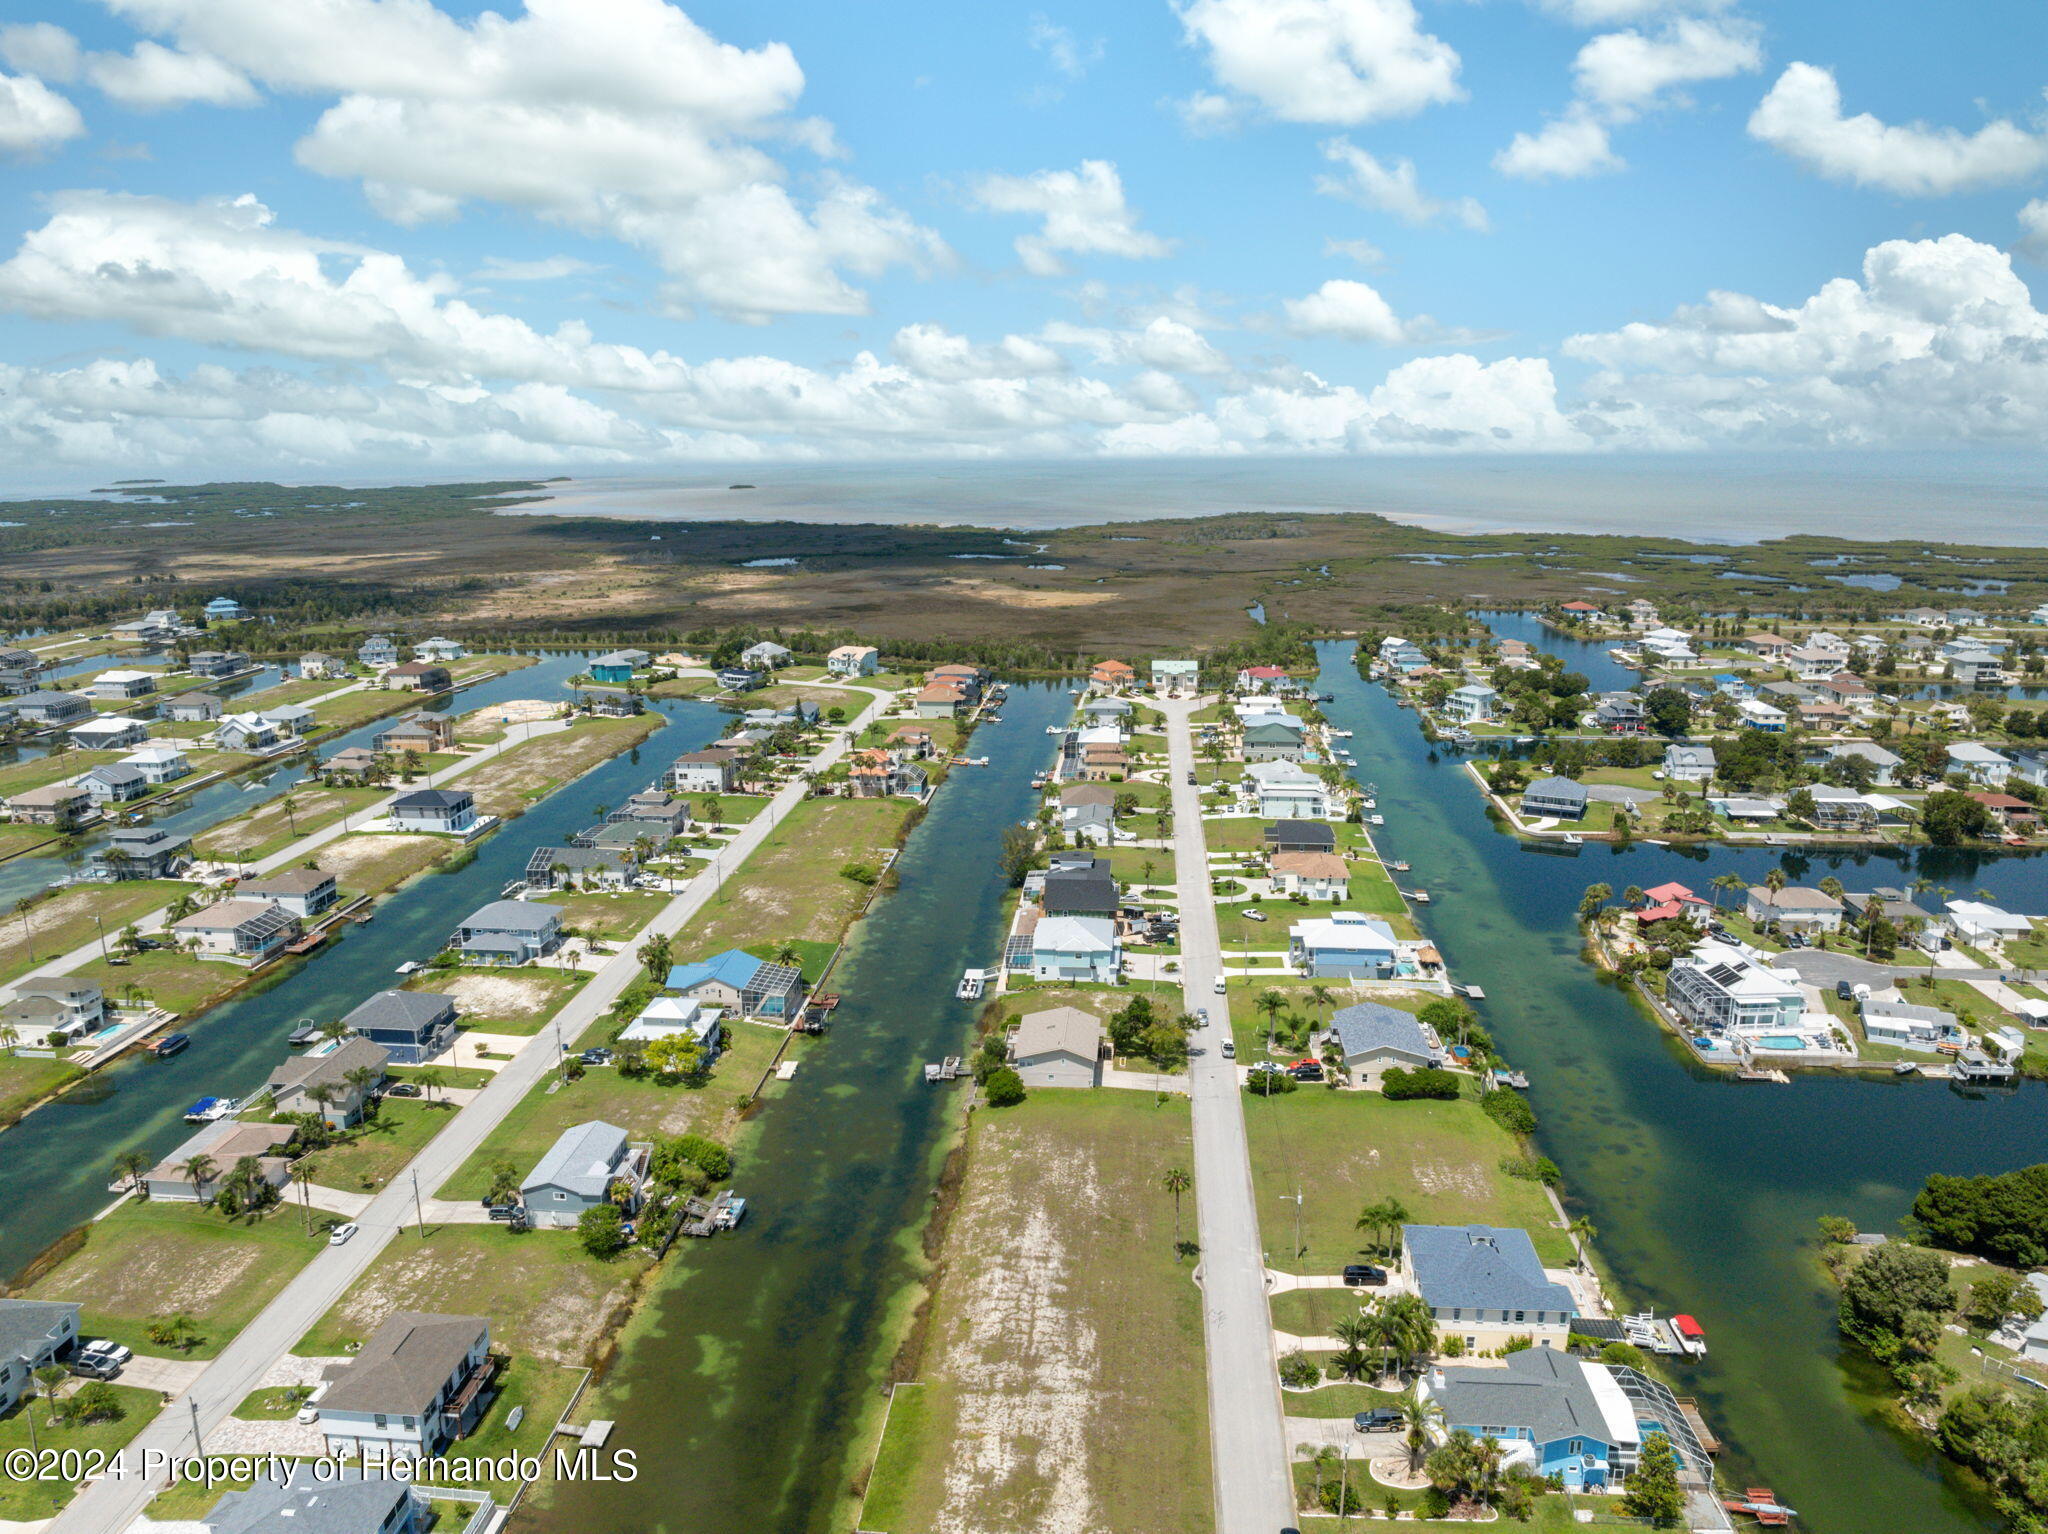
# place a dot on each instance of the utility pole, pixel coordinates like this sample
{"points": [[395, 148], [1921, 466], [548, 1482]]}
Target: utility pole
{"points": [[198, 1443], [1295, 1198], [418, 1210]]}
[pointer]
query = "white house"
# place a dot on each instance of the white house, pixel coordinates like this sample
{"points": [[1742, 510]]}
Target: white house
{"points": [[667, 1016], [1345, 944], [854, 660], [116, 685], [1311, 875], [1471, 703], [245, 732], [1689, 764], [1980, 764], [1975, 922], [158, 764], [1287, 792], [766, 655], [111, 733], [447, 811], [1723, 986], [1171, 676], [1076, 948]]}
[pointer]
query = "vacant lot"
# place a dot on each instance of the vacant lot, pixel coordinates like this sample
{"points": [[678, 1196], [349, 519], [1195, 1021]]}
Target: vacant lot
{"points": [[19, 777], [65, 921], [375, 1151], [25, 1081], [1344, 1150], [177, 982], [1062, 1387], [501, 1001], [362, 864], [275, 825], [514, 782], [609, 919], [146, 1262]]}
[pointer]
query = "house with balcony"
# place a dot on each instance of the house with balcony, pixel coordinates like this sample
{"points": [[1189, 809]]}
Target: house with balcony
{"points": [[854, 660], [141, 852], [1311, 875], [439, 649], [507, 932], [1081, 949], [1980, 764], [416, 1385], [1474, 703], [588, 1165], [1176, 676], [767, 655], [336, 1081], [66, 1010], [1552, 1415], [57, 805], [111, 732], [1284, 791], [114, 783], [1485, 1285], [378, 652], [1684, 763], [248, 931], [115, 686], [1555, 798], [245, 732], [442, 811], [159, 764], [1723, 987], [193, 708], [305, 892], [33, 1335], [293, 1498], [1794, 908], [1346, 945], [713, 771], [420, 676], [411, 1027]]}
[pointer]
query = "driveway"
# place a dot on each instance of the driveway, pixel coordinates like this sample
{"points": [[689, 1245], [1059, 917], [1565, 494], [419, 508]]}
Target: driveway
{"points": [[170, 1375]]}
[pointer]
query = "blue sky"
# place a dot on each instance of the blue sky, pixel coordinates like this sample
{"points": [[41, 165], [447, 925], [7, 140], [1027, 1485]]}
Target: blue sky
{"points": [[367, 236]]}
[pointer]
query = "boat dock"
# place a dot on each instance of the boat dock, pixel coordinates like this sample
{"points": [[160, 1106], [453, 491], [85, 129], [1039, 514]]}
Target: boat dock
{"points": [[952, 1068]]}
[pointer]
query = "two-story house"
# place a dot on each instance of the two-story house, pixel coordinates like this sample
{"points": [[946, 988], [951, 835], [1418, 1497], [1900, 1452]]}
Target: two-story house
{"points": [[417, 1385]]}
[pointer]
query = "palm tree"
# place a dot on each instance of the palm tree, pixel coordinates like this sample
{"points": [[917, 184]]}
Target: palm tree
{"points": [[1582, 1233], [1272, 1003], [51, 1376], [334, 1028], [1411, 1327], [786, 954], [656, 955], [1175, 1180], [1776, 880], [1372, 1219], [1420, 1417], [431, 1080], [1357, 1334], [201, 1169], [131, 1164], [1732, 882], [9, 1035], [324, 1095], [302, 1174], [1321, 996], [1396, 1214], [361, 1080]]}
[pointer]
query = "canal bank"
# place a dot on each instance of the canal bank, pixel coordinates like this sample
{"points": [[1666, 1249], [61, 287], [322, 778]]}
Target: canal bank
{"points": [[65, 1149], [1705, 1191], [743, 1381]]}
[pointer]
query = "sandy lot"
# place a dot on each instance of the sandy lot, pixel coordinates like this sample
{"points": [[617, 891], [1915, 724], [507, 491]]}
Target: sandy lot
{"points": [[506, 996]]}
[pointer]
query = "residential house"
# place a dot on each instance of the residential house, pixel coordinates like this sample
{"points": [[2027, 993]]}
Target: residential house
{"points": [[854, 660], [570, 868], [1821, 716], [939, 700], [1346, 945], [318, 665], [141, 852], [224, 1142], [1103, 763], [741, 679], [1557, 798], [1980, 764], [1273, 739], [1621, 713], [766, 655], [115, 783], [377, 652], [969, 679], [158, 764], [411, 1027], [1792, 909], [1552, 1415], [588, 1165], [1078, 885], [1301, 836], [1312, 875], [1975, 667], [667, 1016], [1926, 617], [113, 686], [245, 732], [1060, 1047], [1088, 813], [14, 658], [2031, 767], [250, 930], [55, 1012], [1966, 618], [1756, 714], [33, 1334], [218, 663], [416, 1385], [2015, 816], [225, 610], [704, 772], [1372, 1039], [296, 1086], [1484, 1284], [915, 741], [1884, 764], [1841, 809], [742, 983], [876, 774], [1176, 676], [59, 805], [1583, 612], [193, 708], [1111, 676], [1471, 704], [351, 762], [420, 676], [1402, 655], [305, 892], [1076, 949], [1769, 646], [1284, 791], [1262, 678], [1689, 764], [1893, 1020], [1669, 902], [1981, 924], [52, 708], [1847, 689], [151, 631], [616, 668], [655, 811], [1722, 986], [509, 932], [438, 649], [423, 731], [446, 811], [332, 1500], [1108, 711], [290, 720], [113, 732]]}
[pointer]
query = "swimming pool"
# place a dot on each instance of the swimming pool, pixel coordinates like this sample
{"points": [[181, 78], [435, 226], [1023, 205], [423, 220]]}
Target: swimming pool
{"points": [[1781, 1041]]}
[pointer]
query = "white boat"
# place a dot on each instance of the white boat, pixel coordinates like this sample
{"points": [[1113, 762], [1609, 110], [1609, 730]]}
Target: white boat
{"points": [[1378, 820], [1340, 734], [409, 967], [1573, 839], [211, 1109], [970, 986]]}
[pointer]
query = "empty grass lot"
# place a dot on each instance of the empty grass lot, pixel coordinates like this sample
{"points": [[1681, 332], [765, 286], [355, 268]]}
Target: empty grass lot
{"points": [[609, 918], [378, 1149], [177, 982], [1062, 1382], [500, 1000], [65, 921], [20, 777], [25, 1081], [512, 783], [276, 824], [373, 864], [1345, 1150]]}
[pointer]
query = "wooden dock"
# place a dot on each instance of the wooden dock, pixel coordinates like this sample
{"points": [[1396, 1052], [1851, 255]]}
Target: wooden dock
{"points": [[1698, 1424]]}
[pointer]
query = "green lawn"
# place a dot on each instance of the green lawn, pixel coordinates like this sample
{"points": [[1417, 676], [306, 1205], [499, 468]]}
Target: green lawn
{"points": [[276, 1404], [19, 777], [1344, 1150], [609, 918], [15, 840], [296, 690], [372, 864], [1339, 1400], [174, 981], [1313, 1312], [27, 1500], [722, 809], [66, 920], [25, 1082], [378, 1150], [145, 1262], [1110, 1374]]}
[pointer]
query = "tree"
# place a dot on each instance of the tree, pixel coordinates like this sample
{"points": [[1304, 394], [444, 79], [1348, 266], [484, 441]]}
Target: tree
{"points": [[2002, 1217], [431, 1079], [131, 1164], [656, 956], [1420, 1419], [1594, 901], [1175, 1180], [95, 1401], [1018, 852], [1884, 1293], [201, 1169], [1950, 818], [1653, 1491], [1582, 1232], [1999, 1295], [362, 1083], [1004, 1088], [1356, 1333], [1272, 1004], [504, 1183], [602, 1231], [50, 1376], [1668, 710]]}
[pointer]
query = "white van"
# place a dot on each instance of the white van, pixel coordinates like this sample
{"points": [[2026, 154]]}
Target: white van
{"points": [[1221, 985]]}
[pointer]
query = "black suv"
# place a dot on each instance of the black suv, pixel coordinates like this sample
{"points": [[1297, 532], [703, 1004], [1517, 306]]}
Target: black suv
{"points": [[1365, 1273]]}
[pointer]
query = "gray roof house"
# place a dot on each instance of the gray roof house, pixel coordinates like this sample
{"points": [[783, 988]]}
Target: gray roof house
{"points": [[193, 707], [766, 653], [1301, 836], [1372, 1037], [1060, 1047], [557, 868], [1688, 764], [509, 932], [141, 852], [418, 1383], [343, 1501], [1550, 1413], [293, 1083], [411, 1027], [578, 1172], [305, 892], [1478, 1279], [1559, 798], [449, 811], [32, 1333]]}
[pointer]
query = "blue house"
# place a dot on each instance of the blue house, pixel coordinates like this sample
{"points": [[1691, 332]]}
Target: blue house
{"points": [[739, 982], [617, 668], [1554, 1413], [225, 610]]}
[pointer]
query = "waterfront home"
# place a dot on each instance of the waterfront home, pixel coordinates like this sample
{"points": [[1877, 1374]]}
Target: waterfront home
{"points": [[1484, 1284], [741, 679], [1088, 813], [445, 811], [509, 932], [319, 666], [55, 1012], [438, 649], [1104, 763], [1669, 902], [353, 762], [153, 631], [193, 708], [247, 930], [668, 1016], [1110, 711], [1792, 909], [1176, 676], [1076, 949], [1841, 809], [915, 741], [1111, 676], [1820, 716], [854, 660], [158, 764], [1721, 986], [1078, 885], [33, 1335], [969, 679], [1884, 764], [110, 733], [245, 732], [1769, 646], [141, 852], [1262, 678], [225, 610], [113, 686], [1551, 1414], [876, 774], [337, 1083], [1556, 798], [740, 982], [1975, 667], [1347, 945], [1059, 1047], [1301, 836], [1812, 665], [52, 708], [1273, 739], [1891, 1019], [1925, 617], [1980, 924], [224, 1142], [1980, 764], [289, 719], [1471, 704], [418, 1383], [588, 1165], [1847, 689], [1755, 714], [1311, 875], [2031, 767], [617, 667], [1965, 618], [218, 663], [58, 805], [377, 652], [703, 772], [114, 783], [1689, 764], [654, 811], [1583, 612], [305, 892], [419, 676], [1753, 811], [1402, 655], [1620, 713], [1371, 1039], [1283, 791], [423, 731], [2013, 815], [766, 655], [14, 658], [939, 700], [293, 1498], [411, 1027], [570, 868]]}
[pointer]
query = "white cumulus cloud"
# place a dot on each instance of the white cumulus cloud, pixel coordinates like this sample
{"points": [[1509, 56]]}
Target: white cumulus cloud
{"points": [[1563, 149], [1082, 212], [1321, 61], [40, 48], [153, 77], [1392, 187], [33, 117]]}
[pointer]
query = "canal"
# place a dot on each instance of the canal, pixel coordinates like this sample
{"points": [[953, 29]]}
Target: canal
{"points": [[743, 1378], [65, 1149], [1705, 1191]]}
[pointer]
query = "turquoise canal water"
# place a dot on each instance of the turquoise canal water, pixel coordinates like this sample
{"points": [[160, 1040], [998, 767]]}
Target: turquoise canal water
{"points": [[1705, 1190], [744, 1381], [65, 1149]]}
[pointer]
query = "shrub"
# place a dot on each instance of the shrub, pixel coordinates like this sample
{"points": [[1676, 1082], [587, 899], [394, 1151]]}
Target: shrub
{"points": [[1004, 1088], [1623, 1353], [859, 873], [1400, 1085], [1509, 1109], [1300, 1371], [602, 1230], [1270, 1084]]}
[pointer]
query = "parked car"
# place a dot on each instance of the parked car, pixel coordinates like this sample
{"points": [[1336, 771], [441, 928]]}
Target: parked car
{"points": [[1365, 1273], [340, 1234], [402, 1089], [1220, 985], [1306, 1070], [501, 1211], [1254, 914], [310, 1412], [103, 1348], [93, 1366], [1381, 1419], [1230, 1049], [1844, 991], [1202, 1015], [596, 1057], [1191, 779]]}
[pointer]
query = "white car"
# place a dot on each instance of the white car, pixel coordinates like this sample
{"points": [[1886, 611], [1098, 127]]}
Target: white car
{"points": [[1220, 985], [1254, 915], [310, 1412], [112, 1352], [341, 1233]]}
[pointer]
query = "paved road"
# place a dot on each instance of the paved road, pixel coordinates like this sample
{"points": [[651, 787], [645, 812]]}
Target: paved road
{"points": [[1247, 1430], [241, 1367], [1823, 967]]}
